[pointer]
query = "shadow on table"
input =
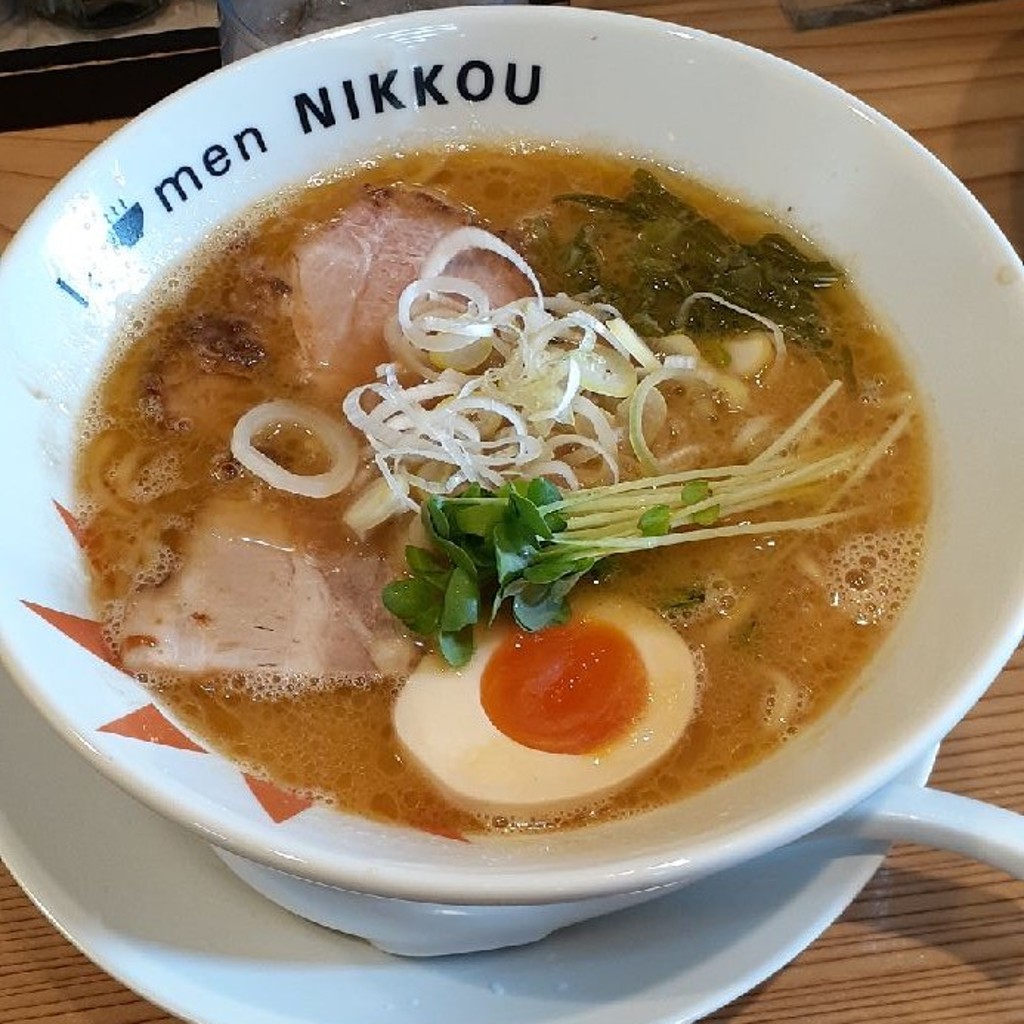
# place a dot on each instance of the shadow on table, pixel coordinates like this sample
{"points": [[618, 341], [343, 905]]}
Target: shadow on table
{"points": [[977, 919], [918, 919]]}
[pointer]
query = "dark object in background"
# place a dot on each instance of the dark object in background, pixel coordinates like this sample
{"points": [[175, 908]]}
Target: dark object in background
{"points": [[823, 13], [248, 26], [52, 74], [96, 77], [96, 14]]}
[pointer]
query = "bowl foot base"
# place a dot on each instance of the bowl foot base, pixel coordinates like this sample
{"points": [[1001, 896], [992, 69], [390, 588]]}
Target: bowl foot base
{"points": [[411, 928]]}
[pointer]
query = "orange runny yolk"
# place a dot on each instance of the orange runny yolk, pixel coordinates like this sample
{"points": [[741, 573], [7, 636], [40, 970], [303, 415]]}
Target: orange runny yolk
{"points": [[568, 689]]}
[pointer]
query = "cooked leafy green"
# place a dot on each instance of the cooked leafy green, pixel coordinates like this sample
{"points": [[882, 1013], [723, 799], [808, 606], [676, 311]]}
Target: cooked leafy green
{"points": [[648, 251]]}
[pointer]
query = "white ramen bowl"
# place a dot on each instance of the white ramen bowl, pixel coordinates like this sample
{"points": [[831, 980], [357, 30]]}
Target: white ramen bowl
{"points": [[922, 252]]}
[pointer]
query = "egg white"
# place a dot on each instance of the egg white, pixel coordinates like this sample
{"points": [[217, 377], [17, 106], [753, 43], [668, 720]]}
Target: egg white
{"points": [[444, 729]]}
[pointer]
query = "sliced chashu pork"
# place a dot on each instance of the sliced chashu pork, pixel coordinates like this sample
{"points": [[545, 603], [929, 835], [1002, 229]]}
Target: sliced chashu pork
{"points": [[207, 364], [348, 276], [245, 599]]}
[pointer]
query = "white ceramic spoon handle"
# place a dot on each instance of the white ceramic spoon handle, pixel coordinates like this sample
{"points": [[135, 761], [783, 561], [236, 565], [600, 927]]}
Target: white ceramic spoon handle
{"points": [[902, 812]]}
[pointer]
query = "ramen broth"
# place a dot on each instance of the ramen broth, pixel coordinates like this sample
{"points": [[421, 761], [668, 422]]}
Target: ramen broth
{"points": [[780, 624]]}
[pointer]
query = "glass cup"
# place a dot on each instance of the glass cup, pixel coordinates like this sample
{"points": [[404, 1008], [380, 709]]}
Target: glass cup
{"points": [[250, 25]]}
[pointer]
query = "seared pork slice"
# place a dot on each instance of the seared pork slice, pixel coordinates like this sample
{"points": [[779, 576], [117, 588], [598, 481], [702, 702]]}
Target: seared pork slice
{"points": [[255, 288], [202, 373], [246, 599], [223, 344], [206, 366], [348, 276]]}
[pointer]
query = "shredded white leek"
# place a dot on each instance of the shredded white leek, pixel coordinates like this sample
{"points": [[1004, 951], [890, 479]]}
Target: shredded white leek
{"points": [[510, 391], [376, 503], [648, 463], [778, 340]]}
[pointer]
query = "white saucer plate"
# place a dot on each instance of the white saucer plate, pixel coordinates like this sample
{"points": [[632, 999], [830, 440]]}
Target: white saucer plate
{"points": [[151, 904]]}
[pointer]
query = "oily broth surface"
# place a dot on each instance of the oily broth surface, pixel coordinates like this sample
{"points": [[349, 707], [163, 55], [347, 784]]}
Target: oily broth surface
{"points": [[785, 622]]}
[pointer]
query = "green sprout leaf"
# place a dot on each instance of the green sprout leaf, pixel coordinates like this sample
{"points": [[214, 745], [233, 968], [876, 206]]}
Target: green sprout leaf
{"points": [[535, 611], [694, 491], [426, 567], [655, 522], [439, 529], [456, 648], [556, 568], [528, 516], [542, 492], [706, 516], [514, 549], [461, 602], [478, 519], [414, 601]]}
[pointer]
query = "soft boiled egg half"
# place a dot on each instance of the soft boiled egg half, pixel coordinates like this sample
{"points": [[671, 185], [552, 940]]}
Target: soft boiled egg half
{"points": [[548, 722]]}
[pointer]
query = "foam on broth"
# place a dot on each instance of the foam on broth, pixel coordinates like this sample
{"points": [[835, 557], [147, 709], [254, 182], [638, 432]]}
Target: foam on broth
{"points": [[780, 625]]}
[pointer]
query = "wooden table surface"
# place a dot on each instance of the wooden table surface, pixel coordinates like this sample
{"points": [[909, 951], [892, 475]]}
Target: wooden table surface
{"points": [[932, 938]]}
